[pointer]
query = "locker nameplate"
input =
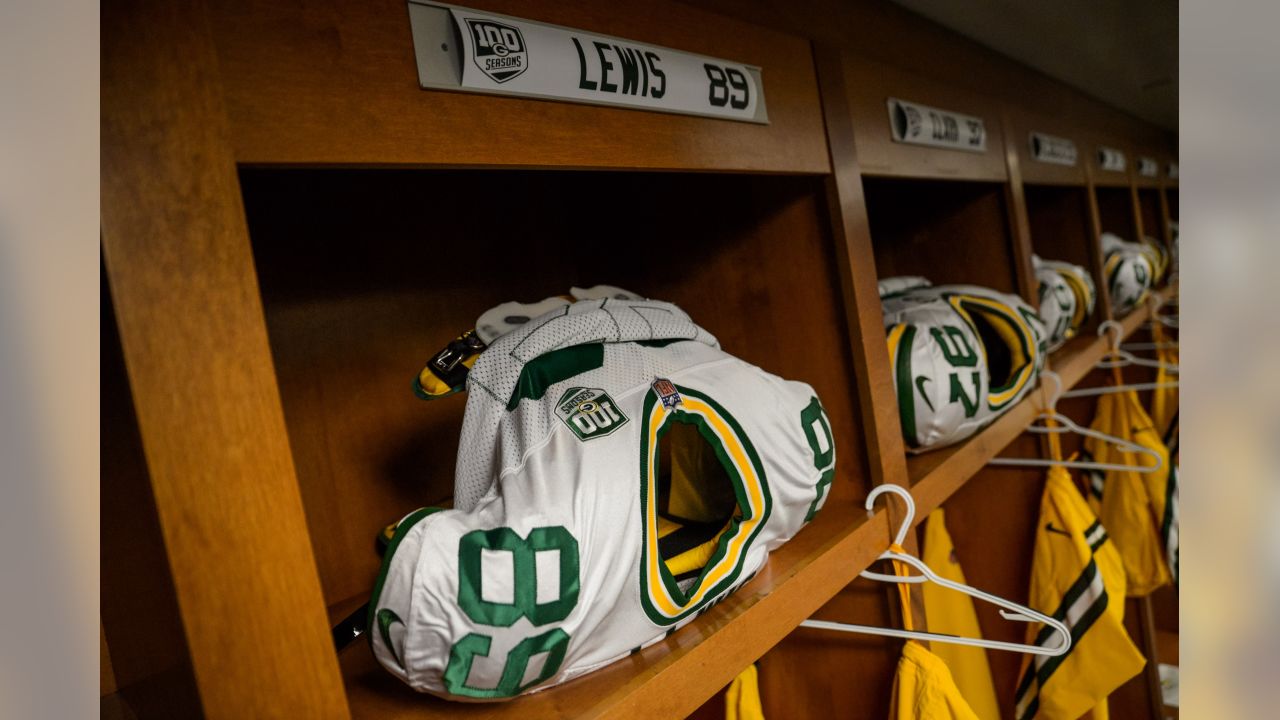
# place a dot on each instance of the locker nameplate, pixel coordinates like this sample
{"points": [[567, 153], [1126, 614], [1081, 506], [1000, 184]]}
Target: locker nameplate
{"points": [[471, 51], [1111, 159], [1051, 149], [1173, 171], [918, 124], [1148, 167]]}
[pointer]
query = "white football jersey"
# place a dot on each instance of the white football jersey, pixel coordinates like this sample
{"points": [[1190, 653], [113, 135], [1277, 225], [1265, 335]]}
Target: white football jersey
{"points": [[553, 563], [961, 355], [1067, 298]]}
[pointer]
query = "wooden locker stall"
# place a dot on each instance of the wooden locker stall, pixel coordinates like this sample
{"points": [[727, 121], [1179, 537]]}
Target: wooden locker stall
{"points": [[1060, 215], [944, 214], [1113, 185], [291, 227], [350, 206]]}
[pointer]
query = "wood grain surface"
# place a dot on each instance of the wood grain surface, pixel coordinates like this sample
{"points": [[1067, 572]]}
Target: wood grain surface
{"points": [[335, 82], [948, 232], [203, 386], [870, 84], [1024, 121], [1117, 212]]}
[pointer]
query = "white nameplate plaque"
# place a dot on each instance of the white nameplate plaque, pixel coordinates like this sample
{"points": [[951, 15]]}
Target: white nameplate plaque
{"points": [[472, 51], [918, 124], [1111, 159], [1050, 149], [1148, 167], [1173, 171]]}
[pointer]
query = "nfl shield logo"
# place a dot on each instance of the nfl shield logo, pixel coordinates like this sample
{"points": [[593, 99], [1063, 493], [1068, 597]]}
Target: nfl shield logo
{"points": [[500, 50], [667, 392]]}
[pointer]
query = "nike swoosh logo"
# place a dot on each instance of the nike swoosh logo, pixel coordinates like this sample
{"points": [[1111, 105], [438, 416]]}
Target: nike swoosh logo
{"points": [[920, 381], [387, 618], [1049, 526]]}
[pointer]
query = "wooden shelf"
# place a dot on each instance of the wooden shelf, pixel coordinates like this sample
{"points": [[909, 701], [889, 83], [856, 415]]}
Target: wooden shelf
{"points": [[673, 677], [936, 475]]}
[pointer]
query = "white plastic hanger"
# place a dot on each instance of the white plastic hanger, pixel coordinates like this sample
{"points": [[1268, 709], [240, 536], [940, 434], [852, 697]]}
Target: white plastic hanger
{"points": [[1170, 320], [1161, 343], [1118, 357], [1064, 424], [1113, 389], [1009, 610], [1119, 388]]}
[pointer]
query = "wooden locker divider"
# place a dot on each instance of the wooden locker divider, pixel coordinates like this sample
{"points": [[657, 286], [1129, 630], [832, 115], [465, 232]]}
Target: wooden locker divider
{"points": [[1152, 214], [200, 372], [1061, 208], [1151, 201], [1099, 270], [786, 670], [140, 618], [1019, 220], [1118, 211]]}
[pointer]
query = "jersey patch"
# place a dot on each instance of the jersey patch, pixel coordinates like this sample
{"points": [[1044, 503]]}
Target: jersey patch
{"points": [[589, 412]]}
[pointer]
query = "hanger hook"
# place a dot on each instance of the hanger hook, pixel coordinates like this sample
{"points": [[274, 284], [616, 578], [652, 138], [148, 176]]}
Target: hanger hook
{"points": [[1106, 327], [906, 498], [1052, 408]]}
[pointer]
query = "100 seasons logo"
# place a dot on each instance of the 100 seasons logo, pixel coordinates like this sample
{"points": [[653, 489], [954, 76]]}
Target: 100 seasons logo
{"points": [[500, 50], [589, 412]]}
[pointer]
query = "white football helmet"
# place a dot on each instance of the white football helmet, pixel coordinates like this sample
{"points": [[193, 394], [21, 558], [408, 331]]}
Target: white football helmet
{"points": [[1067, 298], [961, 355], [1129, 272]]}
